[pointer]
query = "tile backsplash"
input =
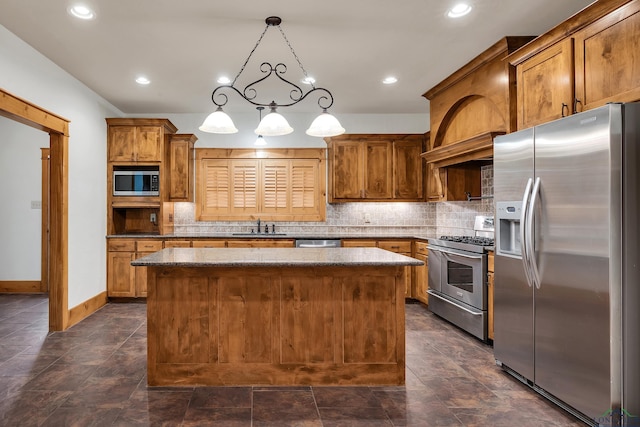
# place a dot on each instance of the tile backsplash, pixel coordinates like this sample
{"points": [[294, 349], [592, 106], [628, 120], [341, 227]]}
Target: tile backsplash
{"points": [[429, 219]]}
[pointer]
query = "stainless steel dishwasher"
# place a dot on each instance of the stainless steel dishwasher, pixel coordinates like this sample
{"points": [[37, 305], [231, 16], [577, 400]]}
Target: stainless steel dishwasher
{"points": [[318, 243]]}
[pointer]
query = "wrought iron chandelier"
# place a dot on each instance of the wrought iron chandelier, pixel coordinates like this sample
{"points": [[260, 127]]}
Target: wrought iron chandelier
{"points": [[273, 124]]}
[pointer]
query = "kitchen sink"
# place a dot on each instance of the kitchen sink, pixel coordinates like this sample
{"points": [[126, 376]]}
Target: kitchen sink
{"points": [[258, 234]]}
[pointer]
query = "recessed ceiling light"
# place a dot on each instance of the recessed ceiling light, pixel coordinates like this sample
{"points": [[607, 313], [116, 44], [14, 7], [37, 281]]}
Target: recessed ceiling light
{"points": [[389, 80], [459, 10], [224, 80], [142, 80], [308, 80], [81, 11]]}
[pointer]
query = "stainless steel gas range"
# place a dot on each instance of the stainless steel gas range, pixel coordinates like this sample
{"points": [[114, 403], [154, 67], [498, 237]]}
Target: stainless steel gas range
{"points": [[458, 279]]}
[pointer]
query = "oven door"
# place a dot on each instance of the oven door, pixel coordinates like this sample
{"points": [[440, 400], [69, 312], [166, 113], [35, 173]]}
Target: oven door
{"points": [[463, 276]]}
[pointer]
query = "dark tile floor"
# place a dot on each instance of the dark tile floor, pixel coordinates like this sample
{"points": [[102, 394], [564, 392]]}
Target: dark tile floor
{"points": [[94, 375]]}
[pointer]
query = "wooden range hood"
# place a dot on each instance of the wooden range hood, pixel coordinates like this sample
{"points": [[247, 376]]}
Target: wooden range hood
{"points": [[479, 147], [468, 109]]}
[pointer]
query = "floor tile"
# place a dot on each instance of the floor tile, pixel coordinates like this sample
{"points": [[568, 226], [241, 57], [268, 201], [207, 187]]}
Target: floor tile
{"points": [[94, 374]]}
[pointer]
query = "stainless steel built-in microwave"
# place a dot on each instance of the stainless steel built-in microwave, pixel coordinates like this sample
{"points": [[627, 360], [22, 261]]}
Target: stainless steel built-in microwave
{"points": [[136, 183]]}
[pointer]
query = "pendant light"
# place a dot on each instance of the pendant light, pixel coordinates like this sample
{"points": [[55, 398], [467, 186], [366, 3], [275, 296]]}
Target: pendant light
{"points": [[273, 124]]}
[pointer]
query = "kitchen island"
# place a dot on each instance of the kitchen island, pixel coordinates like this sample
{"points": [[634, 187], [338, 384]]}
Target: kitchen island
{"points": [[275, 316]]}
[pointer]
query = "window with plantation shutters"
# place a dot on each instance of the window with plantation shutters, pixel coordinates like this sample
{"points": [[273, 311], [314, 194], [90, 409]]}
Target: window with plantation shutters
{"points": [[216, 192], [303, 188], [279, 185], [276, 180]]}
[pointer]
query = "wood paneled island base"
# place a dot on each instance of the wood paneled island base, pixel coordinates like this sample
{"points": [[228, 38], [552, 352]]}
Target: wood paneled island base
{"points": [[268, 325]]}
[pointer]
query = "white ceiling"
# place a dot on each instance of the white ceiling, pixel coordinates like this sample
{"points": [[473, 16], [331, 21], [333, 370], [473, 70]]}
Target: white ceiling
{"points": [[348, 46]]}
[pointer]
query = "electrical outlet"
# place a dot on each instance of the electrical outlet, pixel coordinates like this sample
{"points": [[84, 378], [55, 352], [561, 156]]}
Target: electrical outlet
{"points": [[367, 218], [153, 217]]}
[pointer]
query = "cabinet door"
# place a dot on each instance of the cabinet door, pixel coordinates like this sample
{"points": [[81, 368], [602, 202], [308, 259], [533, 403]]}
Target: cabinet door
{"points": [[545, 84], [402, 247], [181, 172], [378, 170], [408, 169], [275, 186], [307, 188], [214, 189], [421, 279], [148, 143], [140, 276], [244, 187], [607, 59], [122, 143], [120, 274], [347, 166]]}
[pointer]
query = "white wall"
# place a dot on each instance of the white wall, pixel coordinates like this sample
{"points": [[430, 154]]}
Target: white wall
{"points": [[26, 73], [20, 184]]}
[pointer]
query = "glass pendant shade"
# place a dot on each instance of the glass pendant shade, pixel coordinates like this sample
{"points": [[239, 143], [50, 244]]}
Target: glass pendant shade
{"points": [[260, 141], [273, 124], [325, 125], [218, 122]]}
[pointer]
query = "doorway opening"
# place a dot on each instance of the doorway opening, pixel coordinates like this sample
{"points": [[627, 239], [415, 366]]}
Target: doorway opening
{"points": [[57, 127]]}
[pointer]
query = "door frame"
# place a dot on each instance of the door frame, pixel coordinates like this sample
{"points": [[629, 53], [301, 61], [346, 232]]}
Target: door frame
{"points": [[44, 237], [57, 127]]}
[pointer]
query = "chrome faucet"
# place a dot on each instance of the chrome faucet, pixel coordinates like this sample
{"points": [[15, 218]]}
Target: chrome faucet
{"points": [[258, 225]]}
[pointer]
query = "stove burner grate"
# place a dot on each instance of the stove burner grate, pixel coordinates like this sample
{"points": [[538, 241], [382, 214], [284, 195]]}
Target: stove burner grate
{"points": [[480, 241]]}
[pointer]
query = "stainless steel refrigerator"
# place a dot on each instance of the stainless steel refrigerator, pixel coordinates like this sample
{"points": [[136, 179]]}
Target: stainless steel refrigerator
{"points": [[567, 281]]}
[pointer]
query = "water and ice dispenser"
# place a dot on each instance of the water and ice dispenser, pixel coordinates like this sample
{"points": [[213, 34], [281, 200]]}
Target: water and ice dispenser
{"points": [[508, 228]]}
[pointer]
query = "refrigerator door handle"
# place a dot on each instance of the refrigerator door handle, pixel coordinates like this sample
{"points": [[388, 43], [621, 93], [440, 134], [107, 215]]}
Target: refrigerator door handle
{"points": [[524, 219], [535, 273]]}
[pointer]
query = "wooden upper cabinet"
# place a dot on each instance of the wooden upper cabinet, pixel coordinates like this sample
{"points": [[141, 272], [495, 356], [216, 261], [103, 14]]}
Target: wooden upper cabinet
{"points": [[181, 164], [545, 85], [287, 185], [409, 168], [585, 62], [137, 140], [347, 166], [378, 170], [375, 167], [607, 59], [135, 144]]}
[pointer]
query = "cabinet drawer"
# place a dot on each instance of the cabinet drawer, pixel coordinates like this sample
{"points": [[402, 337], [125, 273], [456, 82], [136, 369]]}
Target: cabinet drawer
{"points": [[120, 245], [399, 246], [358, 243], [177, 244], [148, 245], [422, 248], [209, 244]]}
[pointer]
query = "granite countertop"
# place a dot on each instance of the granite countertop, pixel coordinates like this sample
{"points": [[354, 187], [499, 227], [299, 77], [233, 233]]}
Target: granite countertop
{"points": [[295, 236], [274, 257]]}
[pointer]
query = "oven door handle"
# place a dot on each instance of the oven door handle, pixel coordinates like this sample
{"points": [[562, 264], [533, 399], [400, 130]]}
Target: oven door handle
{"points": [[475, 313], [464, 255]]}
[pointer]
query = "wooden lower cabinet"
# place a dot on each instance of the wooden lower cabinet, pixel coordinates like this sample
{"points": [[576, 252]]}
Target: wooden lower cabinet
{"points": [[421, 273], [275, 326], [261, 243], [209, 244], [490, 286], [402, 247], [123, 280]]}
